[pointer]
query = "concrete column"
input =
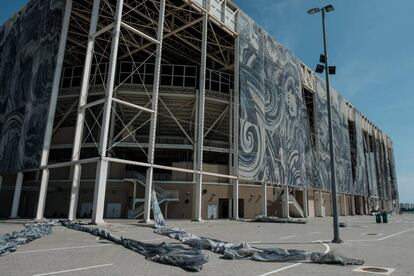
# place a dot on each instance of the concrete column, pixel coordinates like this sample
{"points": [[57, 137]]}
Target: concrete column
{"points": [[264, 199], [236, 199], [353, 205], [74, 194], [17, 193], [286, 202], [1, 181], [42, 194], [366, 211], [166, 210], [341, 205], [305, 203], [319, 204], [361, 206], [323, 204]]}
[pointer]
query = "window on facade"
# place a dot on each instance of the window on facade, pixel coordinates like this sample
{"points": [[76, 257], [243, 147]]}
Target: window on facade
{"points": [[353, 146], [309, 97]]}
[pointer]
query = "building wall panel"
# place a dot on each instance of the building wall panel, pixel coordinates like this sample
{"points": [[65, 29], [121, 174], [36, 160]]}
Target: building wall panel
{"points": [[29, 44]]}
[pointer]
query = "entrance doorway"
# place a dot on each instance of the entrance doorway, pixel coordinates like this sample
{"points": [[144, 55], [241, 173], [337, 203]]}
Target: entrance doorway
{"points": [[223, 208], [241, 208]]}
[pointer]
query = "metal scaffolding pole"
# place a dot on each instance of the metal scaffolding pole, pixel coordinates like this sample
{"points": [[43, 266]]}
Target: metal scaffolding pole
{"points": [[16, 196], [200, 125], [102, 165], [264, 199], [305, 203], [236, 125], [153, 126], [286, 201], [80, 120], [52, 109]]}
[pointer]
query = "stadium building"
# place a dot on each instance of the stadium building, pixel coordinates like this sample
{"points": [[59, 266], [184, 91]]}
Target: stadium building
{"points": [[104, 100]]}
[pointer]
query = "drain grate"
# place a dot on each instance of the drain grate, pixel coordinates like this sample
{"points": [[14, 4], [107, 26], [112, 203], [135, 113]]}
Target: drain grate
{"points": [[372, 234], [374, 270]]}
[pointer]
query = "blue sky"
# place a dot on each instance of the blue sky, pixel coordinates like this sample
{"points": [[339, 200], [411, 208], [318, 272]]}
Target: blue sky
{"points": [[371, 42]]}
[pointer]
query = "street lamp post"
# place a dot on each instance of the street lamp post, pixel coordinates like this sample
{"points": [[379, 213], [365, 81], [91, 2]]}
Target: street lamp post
{"points": [[329, 70]]}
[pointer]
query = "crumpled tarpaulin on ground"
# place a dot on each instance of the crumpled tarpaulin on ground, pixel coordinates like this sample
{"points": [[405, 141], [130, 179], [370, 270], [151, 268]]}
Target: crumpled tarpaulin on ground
{"points": [[187, 258], [32, 231], [277, 220], [243, 250]]}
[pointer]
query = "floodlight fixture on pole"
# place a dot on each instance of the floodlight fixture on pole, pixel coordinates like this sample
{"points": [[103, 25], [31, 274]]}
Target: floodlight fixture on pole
{"points": [[329, 70]]}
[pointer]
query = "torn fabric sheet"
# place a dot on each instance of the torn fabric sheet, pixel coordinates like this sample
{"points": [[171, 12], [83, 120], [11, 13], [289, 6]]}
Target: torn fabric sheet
{"points": [[187, 258], [243, 250], [32, 231], [277, 220]]}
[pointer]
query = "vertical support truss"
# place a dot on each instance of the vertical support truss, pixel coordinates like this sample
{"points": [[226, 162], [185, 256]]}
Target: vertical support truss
{"points": [[83, 100], [52, 111], [236, 121], [102, 165], [200, 123], [153, 126]]}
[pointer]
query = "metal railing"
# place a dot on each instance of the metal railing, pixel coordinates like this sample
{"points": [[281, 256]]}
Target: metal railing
{"points": [[131, 73]]}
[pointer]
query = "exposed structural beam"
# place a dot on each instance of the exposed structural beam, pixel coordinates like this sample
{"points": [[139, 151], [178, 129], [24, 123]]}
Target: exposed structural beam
{"points": [[52, 111], [102, 30], [130, 123], [172, 33], [132, 105], [219, 118], [192, 45], [65, 116], [176, 121], [138, 32], [200, 123], [167, 168], [80, 119], [153, 126], [16, 196], [102, 165]]}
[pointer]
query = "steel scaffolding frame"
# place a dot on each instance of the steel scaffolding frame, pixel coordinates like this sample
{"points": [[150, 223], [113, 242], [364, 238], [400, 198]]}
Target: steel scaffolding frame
{"points": [[98, 31]]}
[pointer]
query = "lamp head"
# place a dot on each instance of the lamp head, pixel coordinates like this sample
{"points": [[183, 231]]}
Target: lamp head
{"points": [[314, 10], [319, 68], [328, 8]]}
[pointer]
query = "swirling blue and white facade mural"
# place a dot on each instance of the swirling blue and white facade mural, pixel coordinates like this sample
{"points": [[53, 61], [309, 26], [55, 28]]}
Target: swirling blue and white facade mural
{"points": [[275, 134], [29, 45], [275, 144]]}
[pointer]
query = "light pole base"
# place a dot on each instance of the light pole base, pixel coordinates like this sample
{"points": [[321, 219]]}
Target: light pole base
{"points": [[337, 241]]}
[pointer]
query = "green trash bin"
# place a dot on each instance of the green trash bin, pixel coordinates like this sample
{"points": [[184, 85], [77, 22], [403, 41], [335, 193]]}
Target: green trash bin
{"points": [[378, 217], [384, 217]]}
